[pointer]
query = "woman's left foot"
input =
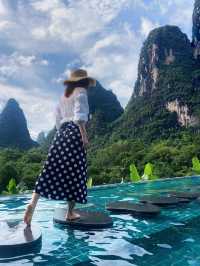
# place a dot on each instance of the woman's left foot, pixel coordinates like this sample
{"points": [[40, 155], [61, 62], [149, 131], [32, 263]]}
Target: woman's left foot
{"points": [[72, 216]]}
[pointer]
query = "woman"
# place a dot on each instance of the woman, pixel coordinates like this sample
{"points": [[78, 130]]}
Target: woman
{"points": [[64, 173]]}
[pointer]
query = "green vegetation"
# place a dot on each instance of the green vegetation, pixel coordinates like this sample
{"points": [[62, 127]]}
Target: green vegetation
{"points": [[148, 172], [123, 160], [89, 182], [196, 165], [147, 176], [22, 166], [134, 176], [161, 159], [11, 188]]}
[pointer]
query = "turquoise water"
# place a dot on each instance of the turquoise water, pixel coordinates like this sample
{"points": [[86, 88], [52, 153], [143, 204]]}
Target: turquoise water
{"points": [[172, 238]]}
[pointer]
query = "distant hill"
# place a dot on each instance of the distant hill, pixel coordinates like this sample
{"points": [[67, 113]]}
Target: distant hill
{"points": [[104, 109], [13, 127], [41, 138]]}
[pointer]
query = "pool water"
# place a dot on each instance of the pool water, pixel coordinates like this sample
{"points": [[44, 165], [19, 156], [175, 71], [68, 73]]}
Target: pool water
{"points": [[172, 238]]}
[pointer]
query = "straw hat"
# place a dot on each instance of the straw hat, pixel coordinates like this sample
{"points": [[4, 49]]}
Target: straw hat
{"points": [[78, 75]]}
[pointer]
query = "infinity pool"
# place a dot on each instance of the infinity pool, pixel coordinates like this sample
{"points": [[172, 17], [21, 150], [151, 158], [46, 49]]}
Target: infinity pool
{"points": [[172, 238]]}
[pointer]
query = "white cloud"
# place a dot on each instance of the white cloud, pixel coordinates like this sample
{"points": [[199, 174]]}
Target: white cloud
{"points": [[64, 24], [113, 61], [3, 9], [39, 33], [13, 65], [45, 5], [37, 106], [53, 26], [175, 12], [5, 25], [182, 17], [147, 25]]}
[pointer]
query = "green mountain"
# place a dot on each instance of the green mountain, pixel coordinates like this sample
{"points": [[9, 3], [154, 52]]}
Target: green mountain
{"points": [[104, 109], [13, 127], [166, 95]]}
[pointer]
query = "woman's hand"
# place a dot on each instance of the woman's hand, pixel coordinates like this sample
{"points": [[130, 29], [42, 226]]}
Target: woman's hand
{"points": [[85, 140]]}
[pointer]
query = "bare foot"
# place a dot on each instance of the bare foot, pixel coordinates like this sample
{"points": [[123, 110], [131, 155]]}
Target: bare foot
{"points": [[28, 214], [72, 216]]}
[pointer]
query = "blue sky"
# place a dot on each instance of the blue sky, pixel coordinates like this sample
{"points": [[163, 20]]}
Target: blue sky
{"points": [[41, 40]]}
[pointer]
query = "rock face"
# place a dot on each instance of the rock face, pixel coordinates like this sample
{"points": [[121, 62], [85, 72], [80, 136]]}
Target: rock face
{"points": [[167, 91], [183, 113], [196, 29], [165, 46], [13, 127]]}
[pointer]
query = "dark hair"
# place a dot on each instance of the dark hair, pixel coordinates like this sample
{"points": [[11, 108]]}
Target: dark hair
{"points": [[84, 83]]}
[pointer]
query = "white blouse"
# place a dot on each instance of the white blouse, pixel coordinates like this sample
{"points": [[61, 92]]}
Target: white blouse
{"points": [[74, 108]]}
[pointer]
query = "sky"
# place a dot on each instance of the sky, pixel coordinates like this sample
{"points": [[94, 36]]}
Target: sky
{"points": [[42, 40]]}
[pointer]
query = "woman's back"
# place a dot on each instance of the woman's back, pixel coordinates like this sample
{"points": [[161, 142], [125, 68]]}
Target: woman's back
{"points": [[73, 108]]}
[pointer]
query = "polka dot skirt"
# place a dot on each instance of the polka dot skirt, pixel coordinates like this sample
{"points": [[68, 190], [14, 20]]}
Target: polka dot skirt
{"points": [[64, 173]]}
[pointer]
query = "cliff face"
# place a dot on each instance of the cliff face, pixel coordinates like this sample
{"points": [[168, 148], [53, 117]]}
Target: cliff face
{"points": [[167, 91], [185, 119], [165, 47], [13, 127]]}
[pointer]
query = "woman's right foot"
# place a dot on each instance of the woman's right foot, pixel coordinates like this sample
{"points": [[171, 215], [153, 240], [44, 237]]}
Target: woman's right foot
{"points": [[28, 214], [72, 216]]}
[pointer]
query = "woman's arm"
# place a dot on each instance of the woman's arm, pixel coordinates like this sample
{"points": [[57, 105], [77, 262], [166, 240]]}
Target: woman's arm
{"points": [[58, 116], [83, 131], [81, 112]]}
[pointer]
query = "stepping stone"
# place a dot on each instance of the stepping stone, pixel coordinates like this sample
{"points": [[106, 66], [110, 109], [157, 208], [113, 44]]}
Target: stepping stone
{"points": [[88, 219], [141, 209], [186, 195], [17, 239], [162, 201]]}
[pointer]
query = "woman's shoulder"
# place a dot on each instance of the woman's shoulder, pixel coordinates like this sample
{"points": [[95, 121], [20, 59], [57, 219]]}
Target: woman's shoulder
{"points": [[80, 90]]}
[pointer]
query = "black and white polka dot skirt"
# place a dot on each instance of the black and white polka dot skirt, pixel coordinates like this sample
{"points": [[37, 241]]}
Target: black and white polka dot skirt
{"points": [[64, 174]]}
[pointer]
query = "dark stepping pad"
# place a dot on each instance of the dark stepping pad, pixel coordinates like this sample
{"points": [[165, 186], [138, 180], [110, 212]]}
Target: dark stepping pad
{"points": [[17, 239], [184, 200], [162, 201], [87, 220], [133, 208], [185, 195]]}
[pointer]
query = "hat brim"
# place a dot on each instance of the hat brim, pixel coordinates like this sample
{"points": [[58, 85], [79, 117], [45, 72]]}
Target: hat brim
{"points": [[92, 82]]}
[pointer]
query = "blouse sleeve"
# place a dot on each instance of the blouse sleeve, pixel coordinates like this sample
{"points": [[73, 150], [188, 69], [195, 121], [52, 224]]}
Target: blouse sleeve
{"points": [[81, 107], [58, 116]]}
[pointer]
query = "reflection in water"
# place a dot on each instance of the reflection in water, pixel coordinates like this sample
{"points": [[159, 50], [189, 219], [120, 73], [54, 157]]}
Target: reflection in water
{"points": [[28, 235]]}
